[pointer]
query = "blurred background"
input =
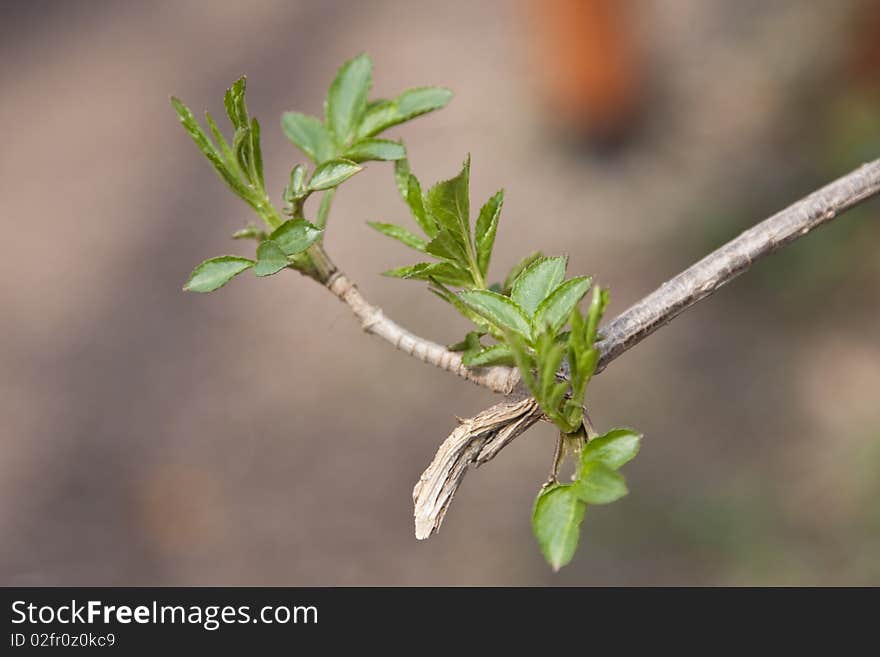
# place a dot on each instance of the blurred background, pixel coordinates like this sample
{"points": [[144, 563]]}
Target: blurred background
{"points": [[256, 436]]}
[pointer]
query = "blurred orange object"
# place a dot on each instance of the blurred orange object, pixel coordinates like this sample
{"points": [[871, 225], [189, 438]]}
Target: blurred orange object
{"points": [[588, 65]]}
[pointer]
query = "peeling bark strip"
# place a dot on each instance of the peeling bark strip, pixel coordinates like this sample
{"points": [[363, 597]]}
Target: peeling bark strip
{"points": [[475, 441]]}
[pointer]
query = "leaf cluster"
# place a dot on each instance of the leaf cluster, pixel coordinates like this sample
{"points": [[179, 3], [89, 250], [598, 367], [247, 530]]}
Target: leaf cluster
{"points": [[337, 146], [559, 508], [461, 258]]}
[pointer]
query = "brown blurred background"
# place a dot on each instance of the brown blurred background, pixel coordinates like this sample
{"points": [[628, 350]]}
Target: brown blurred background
{"points": [[256, 436]]}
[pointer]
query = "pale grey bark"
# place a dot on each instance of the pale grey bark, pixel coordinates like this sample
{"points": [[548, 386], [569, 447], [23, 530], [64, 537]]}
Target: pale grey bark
{"points": [[478, 439]]}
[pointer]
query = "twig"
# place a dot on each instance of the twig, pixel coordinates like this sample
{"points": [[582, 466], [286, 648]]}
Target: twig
{"points": [[498, 379], [723, 265]]}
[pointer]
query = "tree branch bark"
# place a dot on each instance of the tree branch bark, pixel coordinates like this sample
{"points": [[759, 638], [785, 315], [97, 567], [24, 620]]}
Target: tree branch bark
{"points": [[734, 258]]}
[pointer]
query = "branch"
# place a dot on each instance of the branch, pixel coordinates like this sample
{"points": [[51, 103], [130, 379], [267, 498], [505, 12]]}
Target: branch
{"points": [[467, 443], [498, 379], [723, 265]]}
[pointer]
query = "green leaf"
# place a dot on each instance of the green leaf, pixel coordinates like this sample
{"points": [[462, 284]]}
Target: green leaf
{"points": [[408, 105], [556, 522], [377, 117], [347, 97], [550, 354], [518, 268], [442, 272], [250, 233], [399, 233], [295, 236], [555, 310], [324, 208], [599, 484], [241, 146], [420, 100], [471, 342], [256, 155], [401, 177], [226, 153], [410, 271], [332, 173], [499, 310], [416, 203], [234, 103], [375, 149], [594, 314], [613, 449], [487, 226], [296, 187], [309, 135], [525, 362], [448, 274], [270, 259], [444, 245], [537, 281], [189, 123], [216, 272], [447, 202], [497, 354]]}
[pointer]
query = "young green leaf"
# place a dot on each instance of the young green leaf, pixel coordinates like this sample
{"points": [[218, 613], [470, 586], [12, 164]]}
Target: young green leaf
{"points": [[401, 177], [525, 361], [415, 102], [447, 202], [537, 281], [613, 449], [410, 104], [309, 135], [471, 342], [487, 226], [256, 155], [447, 273], [375, 149], [445, 246], [498, 310], [399, 233], [416, 203], [518, 268], [270, 259], [378, 116], [216, 272], [295, 236], [599, 484], [332, 173], [189, 123], [233, 101], [594, 314], [410, 271], [441, 272], [556, 308], [250, 233], [347, 97], [556, 522], [497, 354]]}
